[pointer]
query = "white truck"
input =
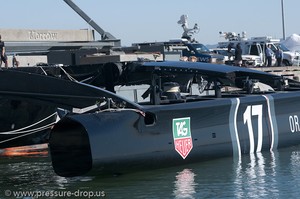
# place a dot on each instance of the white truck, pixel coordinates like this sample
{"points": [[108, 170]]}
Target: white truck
{"points": [[254, 49]]}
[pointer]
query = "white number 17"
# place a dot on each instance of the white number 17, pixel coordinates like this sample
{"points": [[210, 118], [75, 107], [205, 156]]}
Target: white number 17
{"points": [[255, 110]]}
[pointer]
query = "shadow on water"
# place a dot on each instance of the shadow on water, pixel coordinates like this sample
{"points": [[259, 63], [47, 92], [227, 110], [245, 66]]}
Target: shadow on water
{"points": [[261, 175]]}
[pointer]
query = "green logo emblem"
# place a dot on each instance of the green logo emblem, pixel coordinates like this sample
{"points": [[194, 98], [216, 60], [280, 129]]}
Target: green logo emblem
{"points": [[182, 136]]}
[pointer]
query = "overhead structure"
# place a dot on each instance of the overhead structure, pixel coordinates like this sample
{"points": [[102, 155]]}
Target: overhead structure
{"points": [[104, 35]]}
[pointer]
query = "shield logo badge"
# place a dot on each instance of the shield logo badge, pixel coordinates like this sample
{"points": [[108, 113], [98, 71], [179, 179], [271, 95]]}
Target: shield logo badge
{"points": [[182, 136]]}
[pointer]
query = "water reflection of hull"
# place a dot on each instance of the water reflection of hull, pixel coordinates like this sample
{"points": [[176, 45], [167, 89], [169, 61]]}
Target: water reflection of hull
{"points": [[276, 175], [185, 184], [40, 150]]}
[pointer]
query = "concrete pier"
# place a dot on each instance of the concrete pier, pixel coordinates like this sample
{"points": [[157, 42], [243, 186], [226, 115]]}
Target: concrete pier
{"points": [[292, 72]]}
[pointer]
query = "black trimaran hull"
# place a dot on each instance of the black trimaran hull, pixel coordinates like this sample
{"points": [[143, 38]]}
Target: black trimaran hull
{"points": [[154, 136], [162, 134], [116, 142]]}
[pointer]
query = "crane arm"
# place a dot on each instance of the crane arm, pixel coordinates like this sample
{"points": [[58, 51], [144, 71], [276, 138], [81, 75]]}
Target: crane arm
{"points": [[104, 35]]}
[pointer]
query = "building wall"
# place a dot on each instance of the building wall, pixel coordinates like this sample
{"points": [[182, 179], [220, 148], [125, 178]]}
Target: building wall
{"points": [[32, 35], [28, 40]]}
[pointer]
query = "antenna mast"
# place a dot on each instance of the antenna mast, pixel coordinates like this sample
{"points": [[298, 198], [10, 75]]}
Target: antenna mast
{"points": [[104, 35], [187, 32]]}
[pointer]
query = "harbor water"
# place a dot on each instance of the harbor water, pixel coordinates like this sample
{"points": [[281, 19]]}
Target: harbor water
{"points": [[262, 175]]}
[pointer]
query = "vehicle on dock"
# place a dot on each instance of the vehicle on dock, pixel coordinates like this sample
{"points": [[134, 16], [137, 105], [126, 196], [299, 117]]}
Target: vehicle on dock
{"points": [[247, 60], [175, 50], [256, 46]]}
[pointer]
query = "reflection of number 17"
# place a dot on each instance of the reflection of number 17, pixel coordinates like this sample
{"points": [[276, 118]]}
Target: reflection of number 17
{"points": [[255, 110]]}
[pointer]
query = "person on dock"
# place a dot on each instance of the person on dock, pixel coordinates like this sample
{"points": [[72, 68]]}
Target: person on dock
{"points": [[3, 54], [15, 62], [279, 56], [238, 55], [269, 53], [229, 52]]}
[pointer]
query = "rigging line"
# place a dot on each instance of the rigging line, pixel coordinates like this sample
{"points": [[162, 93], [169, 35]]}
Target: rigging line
{"points": [[21, 136], [42, 69], [26, 127], [26, 94], [124, 109], [15, 131], [68, 75], [36, 129]]}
